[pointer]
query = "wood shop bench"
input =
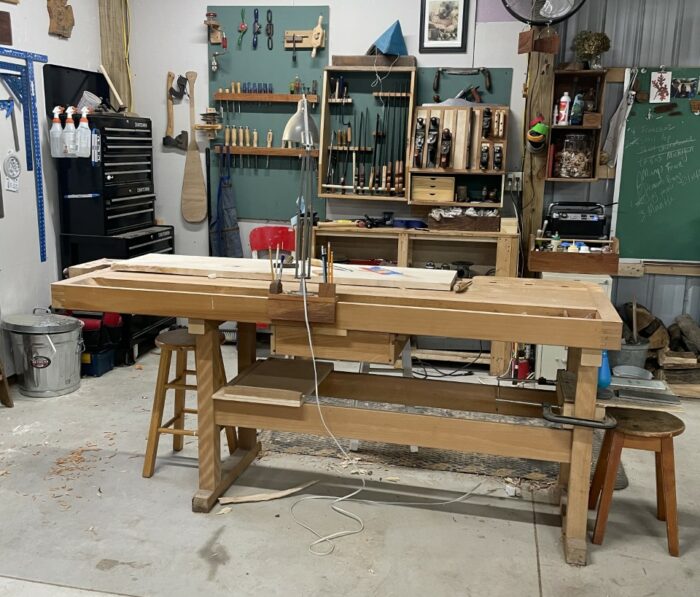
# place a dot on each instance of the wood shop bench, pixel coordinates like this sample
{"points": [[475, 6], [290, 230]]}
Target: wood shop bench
{"points": [[408, 302]]}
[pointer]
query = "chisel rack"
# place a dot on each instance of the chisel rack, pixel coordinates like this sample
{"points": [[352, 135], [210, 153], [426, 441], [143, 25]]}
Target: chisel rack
{"points": [[369, 162], [458, 146]]}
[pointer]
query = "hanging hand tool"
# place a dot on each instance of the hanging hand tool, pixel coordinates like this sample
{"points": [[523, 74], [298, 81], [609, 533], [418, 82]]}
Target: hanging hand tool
{"points": [[240, 144], [215, 55], [398, 170], [373, 171], [390, 146], [247, 144], [180, 142], [329, 168], [242, 28], [256, 28], [269, 145], [179, 93], [269, 29], [460, 71], [317, 35], [255, 144], [233, 142], [356, 178]]}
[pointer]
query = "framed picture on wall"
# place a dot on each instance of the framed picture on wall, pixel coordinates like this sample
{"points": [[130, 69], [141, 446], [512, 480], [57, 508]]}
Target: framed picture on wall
{"points": [[443, 26]]}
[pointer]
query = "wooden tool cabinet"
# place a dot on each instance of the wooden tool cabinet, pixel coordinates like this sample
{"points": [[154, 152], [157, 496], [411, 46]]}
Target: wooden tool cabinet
{"points": [[362, 95], [466, 126]]}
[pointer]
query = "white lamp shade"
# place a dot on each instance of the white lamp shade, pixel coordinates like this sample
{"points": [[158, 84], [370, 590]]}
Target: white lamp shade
{"points": [[296, 129]]}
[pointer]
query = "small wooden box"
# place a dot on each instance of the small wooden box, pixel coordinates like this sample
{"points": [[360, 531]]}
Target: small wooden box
{"points": [[438, 189], [592, 119], [575, 263]]}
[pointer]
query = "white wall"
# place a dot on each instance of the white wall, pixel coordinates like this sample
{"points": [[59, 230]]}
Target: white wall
{"points": [[177, 42], [24, 280]]}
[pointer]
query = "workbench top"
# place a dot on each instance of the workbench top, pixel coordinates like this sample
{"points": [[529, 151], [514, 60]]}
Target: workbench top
{"points": [[571, 314]]}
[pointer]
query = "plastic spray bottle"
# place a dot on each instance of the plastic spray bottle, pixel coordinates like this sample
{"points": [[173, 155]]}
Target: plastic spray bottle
{"points": [[55, 134], [564, 109], [68, 144], [83, 135]]}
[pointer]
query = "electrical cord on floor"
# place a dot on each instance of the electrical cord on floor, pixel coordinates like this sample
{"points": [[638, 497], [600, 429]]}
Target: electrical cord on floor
{"points": [[330, 538]]}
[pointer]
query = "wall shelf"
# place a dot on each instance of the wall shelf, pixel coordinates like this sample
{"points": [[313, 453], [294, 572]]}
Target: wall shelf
{"points": [[271, 151], [264, 97]]}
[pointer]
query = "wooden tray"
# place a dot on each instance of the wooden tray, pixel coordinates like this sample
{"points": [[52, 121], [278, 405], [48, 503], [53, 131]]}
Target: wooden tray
{"points": [[467, 223], [575, 263]]}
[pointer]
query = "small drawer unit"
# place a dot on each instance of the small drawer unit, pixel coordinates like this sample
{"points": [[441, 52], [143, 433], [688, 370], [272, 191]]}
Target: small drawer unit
{"points": [[440, 189]]}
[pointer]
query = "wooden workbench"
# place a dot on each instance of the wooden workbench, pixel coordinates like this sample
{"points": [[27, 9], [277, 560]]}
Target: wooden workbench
{"points": [[575, 315]]}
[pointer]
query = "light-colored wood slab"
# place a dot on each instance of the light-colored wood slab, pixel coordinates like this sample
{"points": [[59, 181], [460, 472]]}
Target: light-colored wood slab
{"points": [[280, 382], [193, 201], [259, 269]]}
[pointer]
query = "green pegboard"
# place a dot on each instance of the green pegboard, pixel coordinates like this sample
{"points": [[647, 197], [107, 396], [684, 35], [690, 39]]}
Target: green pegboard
{"points": [[265, 193], [451, 85]]}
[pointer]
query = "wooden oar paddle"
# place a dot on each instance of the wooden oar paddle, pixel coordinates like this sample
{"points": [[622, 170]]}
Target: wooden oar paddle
{"points": [[193, 202]]}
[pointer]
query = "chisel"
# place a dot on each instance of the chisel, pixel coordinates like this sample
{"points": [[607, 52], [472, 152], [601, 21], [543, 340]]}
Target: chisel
{"points": [[269, 145], [255, 144]]}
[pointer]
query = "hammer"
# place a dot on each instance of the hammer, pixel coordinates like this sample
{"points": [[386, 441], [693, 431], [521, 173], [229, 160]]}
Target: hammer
{"points": [[180, 142]]}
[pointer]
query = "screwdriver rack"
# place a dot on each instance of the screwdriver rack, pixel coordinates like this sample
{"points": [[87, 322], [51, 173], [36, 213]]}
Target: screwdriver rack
{"points": [[340, 163]]}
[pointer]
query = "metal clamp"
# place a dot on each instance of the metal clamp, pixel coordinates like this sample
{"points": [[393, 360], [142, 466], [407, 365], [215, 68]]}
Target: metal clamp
{"points": [[548, 414]]}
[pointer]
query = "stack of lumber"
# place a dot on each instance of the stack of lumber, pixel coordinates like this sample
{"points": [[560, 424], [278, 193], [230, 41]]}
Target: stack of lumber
{"points": [[678, 361]]}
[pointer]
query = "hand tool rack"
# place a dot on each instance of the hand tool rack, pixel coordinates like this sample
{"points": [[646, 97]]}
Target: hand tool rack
{"points": [[360, 79]]}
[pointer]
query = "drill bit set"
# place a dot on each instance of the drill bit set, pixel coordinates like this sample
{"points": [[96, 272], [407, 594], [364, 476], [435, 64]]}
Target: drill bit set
{"points": [[365, 148]]}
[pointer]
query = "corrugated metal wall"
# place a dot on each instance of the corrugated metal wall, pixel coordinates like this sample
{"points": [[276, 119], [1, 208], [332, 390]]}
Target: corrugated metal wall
{"points": [[643, 33]]}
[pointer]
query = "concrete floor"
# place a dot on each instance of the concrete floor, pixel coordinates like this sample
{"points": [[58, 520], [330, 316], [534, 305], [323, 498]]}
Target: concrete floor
{"points": [[91, 525]]}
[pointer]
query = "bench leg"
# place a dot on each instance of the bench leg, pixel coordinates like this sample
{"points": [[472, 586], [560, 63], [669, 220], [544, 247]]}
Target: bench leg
{"points": [[608, 487], [669, 492]]}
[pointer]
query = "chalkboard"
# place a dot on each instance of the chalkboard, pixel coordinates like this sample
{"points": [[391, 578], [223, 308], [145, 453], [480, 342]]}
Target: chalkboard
{"points": [[265, 192], [658, 214]]}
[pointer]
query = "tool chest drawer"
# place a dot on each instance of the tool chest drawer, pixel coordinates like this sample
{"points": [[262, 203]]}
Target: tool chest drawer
{"points": [[342, 345], [81, 248], [440, 189]]}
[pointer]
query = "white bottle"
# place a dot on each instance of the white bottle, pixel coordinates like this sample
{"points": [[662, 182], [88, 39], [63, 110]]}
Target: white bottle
{"points": [[56, 133], [564, 109], [68, 141], [83, 136]]}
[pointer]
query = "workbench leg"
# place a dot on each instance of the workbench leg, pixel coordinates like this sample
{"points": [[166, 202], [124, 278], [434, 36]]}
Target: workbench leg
{"points": [[207, 430], [215, 477], [247, 438], [576, 515]]}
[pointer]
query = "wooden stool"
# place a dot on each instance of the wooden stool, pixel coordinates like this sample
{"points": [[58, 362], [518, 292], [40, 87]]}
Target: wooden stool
{"points": [[643, 430], [181, 342]]}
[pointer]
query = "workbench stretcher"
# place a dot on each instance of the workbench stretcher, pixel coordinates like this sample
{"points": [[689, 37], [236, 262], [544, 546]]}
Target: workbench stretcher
{"points": [[572, 314]]}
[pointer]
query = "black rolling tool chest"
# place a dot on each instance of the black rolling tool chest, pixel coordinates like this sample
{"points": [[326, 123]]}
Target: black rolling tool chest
{"points": [[114, 193], [107, 208]]}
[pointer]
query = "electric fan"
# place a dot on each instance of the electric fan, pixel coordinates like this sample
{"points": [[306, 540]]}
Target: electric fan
{"points": [[542, 12]]}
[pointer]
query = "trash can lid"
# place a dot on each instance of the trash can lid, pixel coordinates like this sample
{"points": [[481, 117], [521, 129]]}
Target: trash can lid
{"points": [[40, 323]]}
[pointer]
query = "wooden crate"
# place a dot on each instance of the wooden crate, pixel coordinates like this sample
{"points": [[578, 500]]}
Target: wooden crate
{"points": [[341, 345], [469, 223], [440, 189], [575, 263]]}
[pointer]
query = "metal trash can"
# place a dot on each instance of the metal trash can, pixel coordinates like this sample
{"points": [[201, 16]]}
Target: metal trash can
{"points": [[46, 348]]}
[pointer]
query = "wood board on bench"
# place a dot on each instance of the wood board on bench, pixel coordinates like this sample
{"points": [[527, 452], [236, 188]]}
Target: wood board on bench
{"points": [[259, 269], [279, 382]]}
